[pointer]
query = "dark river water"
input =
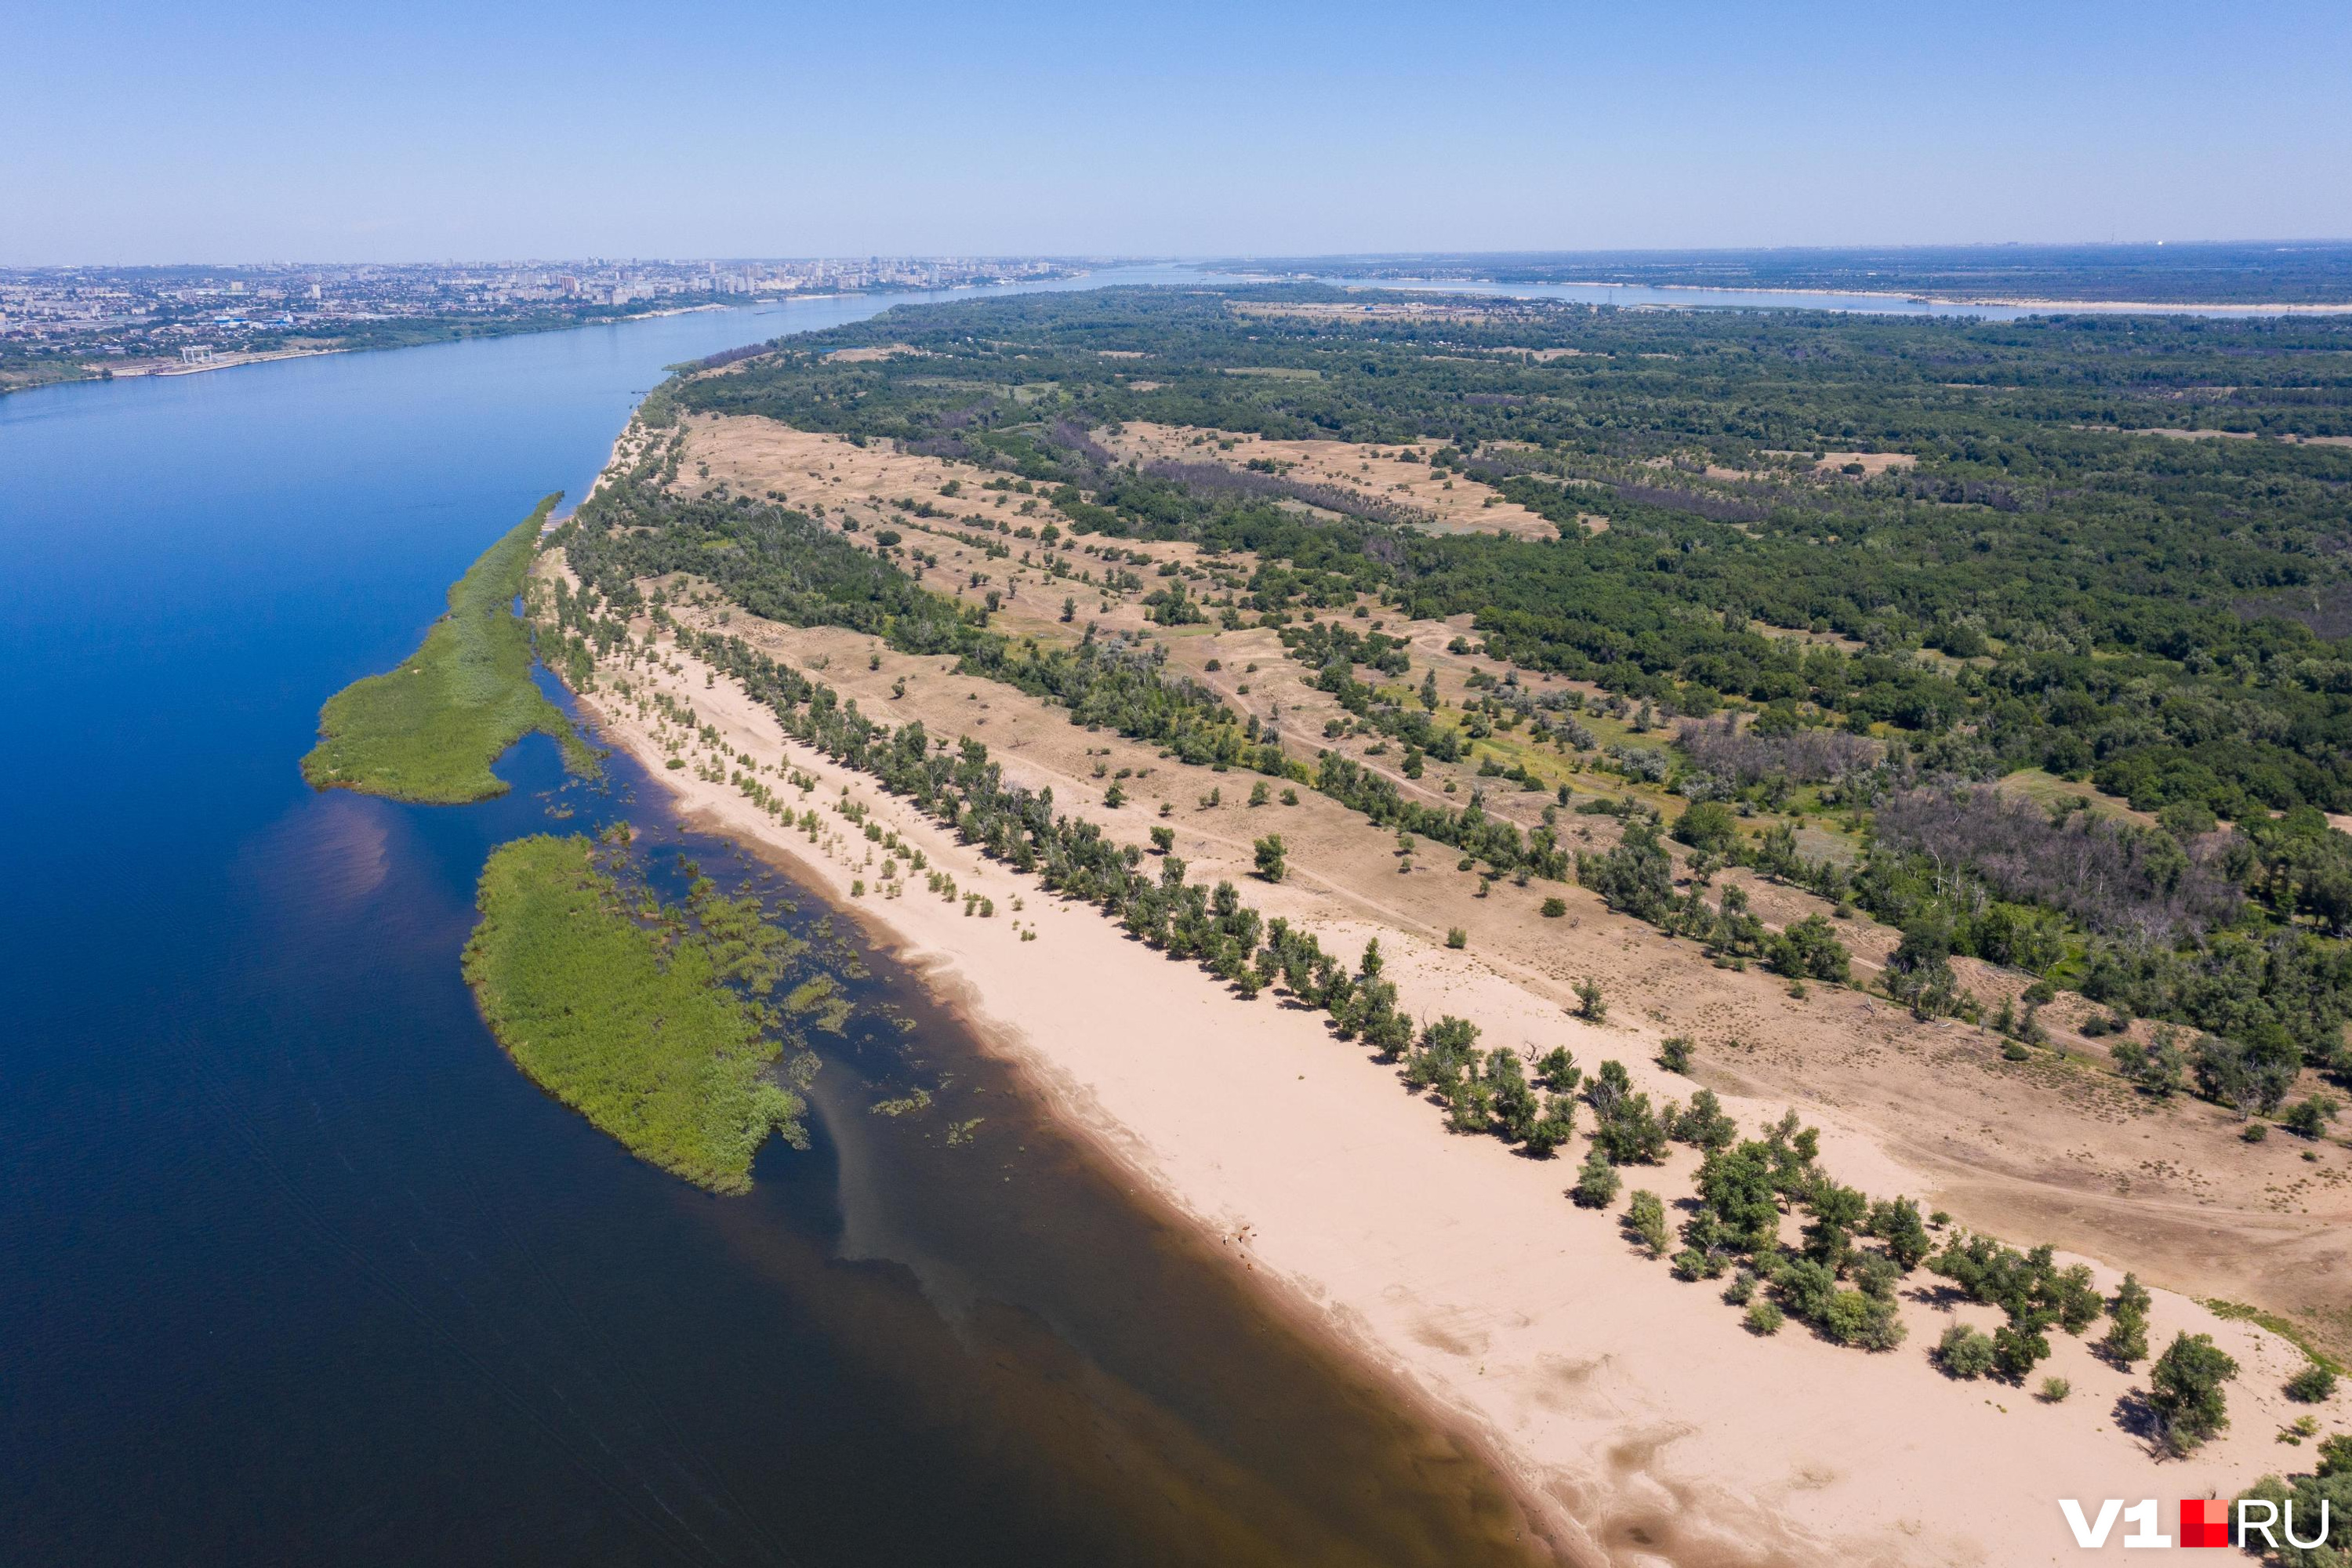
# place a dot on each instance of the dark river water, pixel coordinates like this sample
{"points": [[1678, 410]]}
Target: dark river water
{"points": [[296, 1268]]}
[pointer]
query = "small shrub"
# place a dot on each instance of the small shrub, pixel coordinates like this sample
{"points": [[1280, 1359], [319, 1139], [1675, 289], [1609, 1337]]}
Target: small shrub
{"points": [[1596, 1182], [1965, 1353], [1764, 1317], [2054, 1390], [2310, 1119], [2314, 1384], [1675, 1054], [1455, 937], [1554, 908], [1590, 1005]]}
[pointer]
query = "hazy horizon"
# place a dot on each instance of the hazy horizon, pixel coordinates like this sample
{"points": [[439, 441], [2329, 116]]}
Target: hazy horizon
{"points": [[152, 134], [1200, 258]]}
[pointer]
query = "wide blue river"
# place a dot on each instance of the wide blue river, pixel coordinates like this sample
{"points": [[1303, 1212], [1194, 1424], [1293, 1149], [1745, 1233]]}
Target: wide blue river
{"points": [[295, 1267]]}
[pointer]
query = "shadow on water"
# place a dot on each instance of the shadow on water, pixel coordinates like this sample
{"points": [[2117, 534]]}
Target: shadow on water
{"points": [[295, 1267]]}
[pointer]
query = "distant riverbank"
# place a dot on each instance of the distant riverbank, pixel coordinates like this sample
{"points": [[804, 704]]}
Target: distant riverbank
{"points": [[29, 372], [1858, 302]]}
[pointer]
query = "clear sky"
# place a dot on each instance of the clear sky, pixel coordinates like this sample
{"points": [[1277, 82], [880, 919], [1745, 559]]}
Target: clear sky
{"points": [[157, 131]]}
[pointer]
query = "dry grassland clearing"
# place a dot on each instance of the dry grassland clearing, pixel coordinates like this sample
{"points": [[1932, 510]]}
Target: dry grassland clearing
{"points": [[1456, 503]]}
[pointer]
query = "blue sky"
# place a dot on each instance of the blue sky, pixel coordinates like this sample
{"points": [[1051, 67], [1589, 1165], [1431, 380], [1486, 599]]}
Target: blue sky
{"points": [[151, 132]]}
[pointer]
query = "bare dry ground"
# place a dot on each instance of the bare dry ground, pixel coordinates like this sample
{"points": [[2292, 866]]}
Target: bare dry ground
{"points": [[1457, 504], [2178, 434]]}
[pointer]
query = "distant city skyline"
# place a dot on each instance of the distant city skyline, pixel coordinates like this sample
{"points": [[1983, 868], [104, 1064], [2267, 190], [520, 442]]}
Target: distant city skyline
{"points": [[153, 134]]}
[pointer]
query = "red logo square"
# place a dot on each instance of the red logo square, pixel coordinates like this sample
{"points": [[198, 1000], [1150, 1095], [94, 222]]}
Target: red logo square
{"points": [[2204, 1521]]}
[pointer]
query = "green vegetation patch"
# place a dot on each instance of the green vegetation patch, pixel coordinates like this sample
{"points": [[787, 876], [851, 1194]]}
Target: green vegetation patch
{"points": [[429, 731], [2292, 1332], [654, 1029]]}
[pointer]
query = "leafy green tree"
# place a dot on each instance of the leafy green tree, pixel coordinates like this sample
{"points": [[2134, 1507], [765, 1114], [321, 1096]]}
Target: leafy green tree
{"points": [[1838, 1212], [1596, 1182], [1608, 1089], [1515, 1106], [1708, 1246], [1965, 1353], [1709, 826], [1806, 1287], [2158, 1068], [2310, 1118], [2185, 1390], [2017, 1350], [1896, 1223], [1636, 878], [1738, 1184], [1557, 1070], [1920, 971], [1552, 1129], [1808, 949], [1470, 1106], [1703, 1124], [1864, 1320], [2126, 1336], [1271, 865], [1447, 1054], [1631, 1133], [2252, 1074], [1646, 1217]]}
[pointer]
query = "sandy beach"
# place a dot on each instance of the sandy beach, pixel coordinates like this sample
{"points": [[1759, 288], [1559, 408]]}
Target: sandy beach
{"points": [[1641, 1421]]}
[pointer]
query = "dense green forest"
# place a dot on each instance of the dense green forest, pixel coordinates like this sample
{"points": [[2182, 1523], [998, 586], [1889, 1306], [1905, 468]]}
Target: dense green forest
{"points": [[2152, 611], [2055, 578]]}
